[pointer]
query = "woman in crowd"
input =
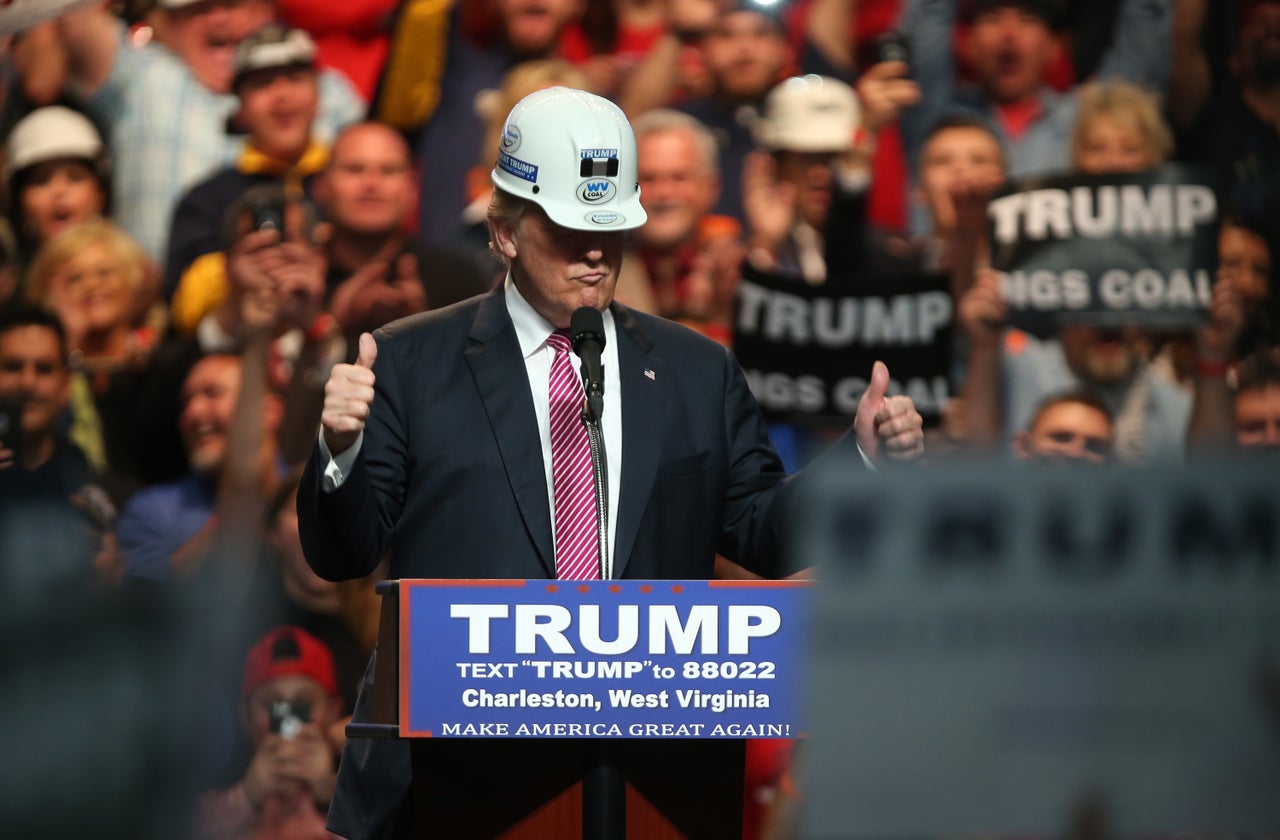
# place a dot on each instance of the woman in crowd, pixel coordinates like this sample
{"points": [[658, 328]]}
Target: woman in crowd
{"points": [[125, 394]]}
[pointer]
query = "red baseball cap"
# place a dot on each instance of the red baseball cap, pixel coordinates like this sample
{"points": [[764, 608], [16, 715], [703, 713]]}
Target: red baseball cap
{"points": [[288, 651]]}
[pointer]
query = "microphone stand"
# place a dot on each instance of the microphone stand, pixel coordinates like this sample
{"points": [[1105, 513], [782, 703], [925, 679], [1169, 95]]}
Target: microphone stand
{"points": [[600, 475], [604, 787]]}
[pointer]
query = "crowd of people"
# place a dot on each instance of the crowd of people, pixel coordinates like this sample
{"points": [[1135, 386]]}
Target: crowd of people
{"points": [[208, 202]]}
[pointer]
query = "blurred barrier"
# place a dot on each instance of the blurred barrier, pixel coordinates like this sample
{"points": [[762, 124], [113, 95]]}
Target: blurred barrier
{"points": [[113, 699], [994, 647]]}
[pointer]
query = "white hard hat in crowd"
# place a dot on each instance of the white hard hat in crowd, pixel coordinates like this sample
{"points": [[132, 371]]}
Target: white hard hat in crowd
{"points": [[809, 114], [273, 46], [574, 155], [50, 133]]}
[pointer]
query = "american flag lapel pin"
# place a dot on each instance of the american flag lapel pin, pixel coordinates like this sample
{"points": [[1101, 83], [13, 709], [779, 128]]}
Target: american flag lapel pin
{"points": [[650, 375]]}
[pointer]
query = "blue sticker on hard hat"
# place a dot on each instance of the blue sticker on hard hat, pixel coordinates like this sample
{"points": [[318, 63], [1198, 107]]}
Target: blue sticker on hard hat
{"points": [[511, 138], [596, 191], [605, 219], [520, 169], [599, 163]]}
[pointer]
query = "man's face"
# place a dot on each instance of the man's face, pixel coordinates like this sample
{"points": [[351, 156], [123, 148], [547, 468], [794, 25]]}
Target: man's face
{"points": [[208, 400], [1010, 48], [294, 689], [676, 188], [277, 107], [956, 157], [205, 35], [533, 27], [368, 187], [1257, 57], [1244, 257], [745, 53], [1111, 145], [58, 194], [33, 370], [1098, 355], [559, 270], [813, 178], [1258, 418], [1069, 431], [91, 290]]}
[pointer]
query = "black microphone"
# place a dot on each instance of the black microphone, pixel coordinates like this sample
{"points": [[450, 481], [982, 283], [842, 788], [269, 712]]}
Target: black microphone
{"points": [[586, 328]]}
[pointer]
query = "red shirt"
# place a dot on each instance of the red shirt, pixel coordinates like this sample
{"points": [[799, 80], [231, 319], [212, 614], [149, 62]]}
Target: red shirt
{"points": [[352, 37]]}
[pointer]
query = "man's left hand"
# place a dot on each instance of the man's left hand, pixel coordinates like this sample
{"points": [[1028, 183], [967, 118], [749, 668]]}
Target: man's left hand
{"points": [[888, 425]]}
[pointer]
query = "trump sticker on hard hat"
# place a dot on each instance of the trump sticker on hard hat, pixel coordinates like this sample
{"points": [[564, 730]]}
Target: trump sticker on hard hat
{"points": [[518, 168]]}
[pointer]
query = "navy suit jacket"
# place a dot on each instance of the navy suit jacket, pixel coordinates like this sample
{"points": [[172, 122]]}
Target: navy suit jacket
{"points": [[450, 481]]}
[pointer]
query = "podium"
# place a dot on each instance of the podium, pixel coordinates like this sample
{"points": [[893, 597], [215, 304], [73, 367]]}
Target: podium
{"points": [[537, 787]]}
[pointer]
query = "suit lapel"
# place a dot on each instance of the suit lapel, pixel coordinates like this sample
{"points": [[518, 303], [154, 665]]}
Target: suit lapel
{"points": [[640, 376], [493, 353]]}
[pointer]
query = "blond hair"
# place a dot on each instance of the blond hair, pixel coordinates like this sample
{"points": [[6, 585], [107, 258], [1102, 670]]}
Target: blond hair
{"points": [[74, 240], [525, 78], [1129, 106]]}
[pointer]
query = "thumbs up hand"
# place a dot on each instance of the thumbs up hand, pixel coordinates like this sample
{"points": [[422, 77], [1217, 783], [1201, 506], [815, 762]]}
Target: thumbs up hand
{"points": [[348, 396], [887, 424]]}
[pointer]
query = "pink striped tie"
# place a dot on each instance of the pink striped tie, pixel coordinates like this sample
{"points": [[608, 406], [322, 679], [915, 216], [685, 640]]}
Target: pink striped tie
{"points": [[577, 520]]}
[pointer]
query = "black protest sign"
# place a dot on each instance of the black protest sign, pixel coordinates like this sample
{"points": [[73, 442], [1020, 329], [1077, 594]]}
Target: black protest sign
{"points": [[1107, 249], [808, 350]]}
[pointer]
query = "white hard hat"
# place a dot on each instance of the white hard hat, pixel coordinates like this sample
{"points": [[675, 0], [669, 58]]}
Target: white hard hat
{"points": [[809, 114], [50, 133], [574, 155], [272, 47]]}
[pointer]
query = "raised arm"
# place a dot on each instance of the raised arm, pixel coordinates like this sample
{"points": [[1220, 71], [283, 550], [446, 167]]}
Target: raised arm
{"points": [[91, 39], [982, 313], [232, 538], [656, 80], [1190, 80], [829, 29], [41, 61], [340, 518], [928, 27], [1140, 44], [1212, 424]]}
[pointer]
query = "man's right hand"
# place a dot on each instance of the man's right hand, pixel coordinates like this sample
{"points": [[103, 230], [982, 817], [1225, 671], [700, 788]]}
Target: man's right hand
{"points": [[982, 310], [286, 767], [264, 777], [348, 395], [769, 203], [884, 91]]}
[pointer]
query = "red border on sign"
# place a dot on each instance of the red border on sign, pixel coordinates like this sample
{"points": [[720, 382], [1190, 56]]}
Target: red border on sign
{"points": [[496, 582], [406, 586], [759, 584]]}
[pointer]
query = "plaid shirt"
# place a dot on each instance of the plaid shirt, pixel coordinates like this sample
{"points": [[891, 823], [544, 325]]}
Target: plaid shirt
{"points": [[168, 132]]}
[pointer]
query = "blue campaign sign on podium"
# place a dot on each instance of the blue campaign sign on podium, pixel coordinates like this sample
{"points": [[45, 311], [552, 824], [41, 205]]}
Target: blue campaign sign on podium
{"points": [[602, 659]]}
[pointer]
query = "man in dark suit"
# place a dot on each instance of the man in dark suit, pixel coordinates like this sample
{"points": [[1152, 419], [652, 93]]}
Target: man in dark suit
{"points": [[438, 444]]}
